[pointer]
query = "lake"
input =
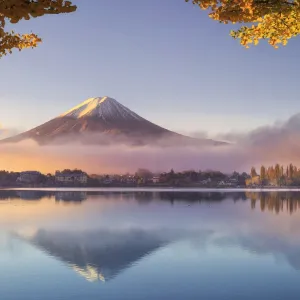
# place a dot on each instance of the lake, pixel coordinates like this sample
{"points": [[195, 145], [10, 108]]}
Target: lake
{"points": [[79, 245]]}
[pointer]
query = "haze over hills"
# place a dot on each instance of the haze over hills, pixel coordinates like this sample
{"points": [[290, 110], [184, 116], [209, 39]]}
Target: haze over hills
{"points": [[104, 120]]}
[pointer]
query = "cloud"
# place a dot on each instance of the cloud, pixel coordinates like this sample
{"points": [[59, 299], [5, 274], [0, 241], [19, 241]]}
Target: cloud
{"points": [[111, 158], [278, 143], [271, 134], [7, 132]]}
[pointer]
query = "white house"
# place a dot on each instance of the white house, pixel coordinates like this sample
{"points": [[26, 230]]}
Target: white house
{"points": [[71, 178], [155, 179], [29, 177], [222, 183]]}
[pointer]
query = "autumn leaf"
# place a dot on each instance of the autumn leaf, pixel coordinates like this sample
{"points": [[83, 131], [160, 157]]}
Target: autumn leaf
{"points": [[14, 11], [274, 20]]}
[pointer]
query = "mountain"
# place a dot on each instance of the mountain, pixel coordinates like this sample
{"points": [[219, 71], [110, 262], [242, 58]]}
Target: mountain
{"points": [[103, 121]]}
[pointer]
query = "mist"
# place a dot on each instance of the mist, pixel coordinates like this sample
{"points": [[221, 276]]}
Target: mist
{"points": [[118, 158], [278, 143]]}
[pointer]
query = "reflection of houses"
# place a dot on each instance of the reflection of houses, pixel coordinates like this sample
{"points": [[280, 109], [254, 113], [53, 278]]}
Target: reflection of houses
{"points": [[29, 177], [32, 195], [74, 177], [70, 196]]}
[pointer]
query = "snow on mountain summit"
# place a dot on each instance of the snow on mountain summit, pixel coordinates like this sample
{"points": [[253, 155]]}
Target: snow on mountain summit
{"points": [[105, 108]]}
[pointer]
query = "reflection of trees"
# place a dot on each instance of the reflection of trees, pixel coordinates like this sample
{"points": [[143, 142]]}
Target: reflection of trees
{"points": [[25, 195], [198, 197], [275, 201], [141, 197], [272, 201], [68, 196]]}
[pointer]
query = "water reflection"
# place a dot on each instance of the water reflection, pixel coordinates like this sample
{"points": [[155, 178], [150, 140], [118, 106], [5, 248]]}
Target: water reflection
{"points": [[271, 201], [141, 197], [178, 240], [103, 254], [39, 195], [276, 201]]}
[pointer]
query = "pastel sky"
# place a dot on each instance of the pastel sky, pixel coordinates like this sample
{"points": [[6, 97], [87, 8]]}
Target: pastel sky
{"points": [[165, 60]]}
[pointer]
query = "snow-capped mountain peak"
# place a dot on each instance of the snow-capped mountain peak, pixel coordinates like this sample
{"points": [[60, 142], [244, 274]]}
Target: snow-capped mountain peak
{"points": [[105, 108], [104, 120]]}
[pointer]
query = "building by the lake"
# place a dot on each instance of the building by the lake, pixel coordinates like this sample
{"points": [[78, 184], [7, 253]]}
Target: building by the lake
{"points": [[29, 177], [70, 178]]}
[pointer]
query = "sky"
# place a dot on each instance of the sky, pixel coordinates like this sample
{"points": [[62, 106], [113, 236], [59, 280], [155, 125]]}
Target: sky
{"points": [[165, 60]]}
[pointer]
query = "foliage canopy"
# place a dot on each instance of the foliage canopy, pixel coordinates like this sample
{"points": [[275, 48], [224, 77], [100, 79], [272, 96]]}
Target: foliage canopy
{"points": [[17, 10], [274, 20]]}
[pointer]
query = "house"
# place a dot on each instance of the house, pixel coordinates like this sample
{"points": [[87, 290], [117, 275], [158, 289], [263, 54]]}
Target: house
{"points": [[130, 180], [233, 181], [73, 177], [222, 183], [155, 179], [107, 180], [29, 177], [205, 181]]}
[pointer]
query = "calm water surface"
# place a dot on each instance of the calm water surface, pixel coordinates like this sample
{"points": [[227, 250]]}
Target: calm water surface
{"points": [[149, 245]]}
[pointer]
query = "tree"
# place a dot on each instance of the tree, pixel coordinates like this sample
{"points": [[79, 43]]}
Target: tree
{"points": [[277, 172], [291, 171], [295, 171], [244, 175], [17, 10], [271, 173], [263, 173], [274, 20], [253, 172], [144, 173]]}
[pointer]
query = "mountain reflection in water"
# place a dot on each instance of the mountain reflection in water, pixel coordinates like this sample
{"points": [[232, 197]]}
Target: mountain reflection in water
{"points": [[102, 255], [101, 235]]}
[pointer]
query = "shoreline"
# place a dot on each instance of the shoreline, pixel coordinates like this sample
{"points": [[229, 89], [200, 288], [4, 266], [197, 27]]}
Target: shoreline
{"points": [[150, 189]]}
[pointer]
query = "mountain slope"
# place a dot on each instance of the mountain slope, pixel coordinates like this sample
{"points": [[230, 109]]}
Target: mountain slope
{"points": [[101, 121]]}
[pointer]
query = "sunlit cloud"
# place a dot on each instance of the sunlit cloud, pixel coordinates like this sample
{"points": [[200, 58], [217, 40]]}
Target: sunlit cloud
{"points": [[265, 145], [6, 132]]}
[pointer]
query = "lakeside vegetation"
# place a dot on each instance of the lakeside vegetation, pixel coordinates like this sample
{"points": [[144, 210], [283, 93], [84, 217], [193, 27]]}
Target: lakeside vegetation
{"points": [[140, 178], [275, 175], [271, 176]]}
